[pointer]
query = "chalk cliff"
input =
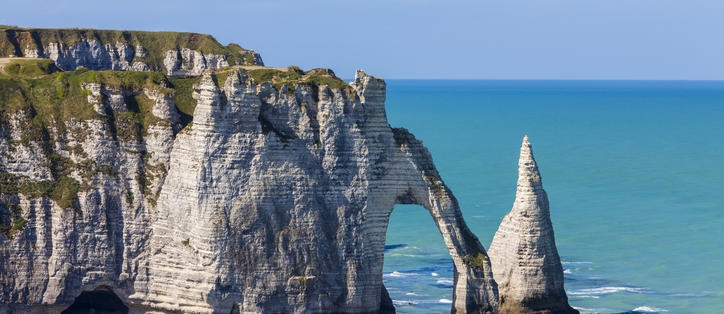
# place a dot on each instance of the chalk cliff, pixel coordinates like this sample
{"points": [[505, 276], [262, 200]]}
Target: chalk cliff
{"points": [[523, 253], [237, 191], [175, 54]]}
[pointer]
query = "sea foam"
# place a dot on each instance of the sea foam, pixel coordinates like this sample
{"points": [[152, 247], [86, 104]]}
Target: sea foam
{"points": [[400, 274], [605, 290], [649, 309]]}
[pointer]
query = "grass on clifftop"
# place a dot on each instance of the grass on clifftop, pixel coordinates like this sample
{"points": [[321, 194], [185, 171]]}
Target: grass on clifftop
{"points": [[14, 40], [23, 67], [295, 76], [290, 77], [58, 96], [51, 106]]}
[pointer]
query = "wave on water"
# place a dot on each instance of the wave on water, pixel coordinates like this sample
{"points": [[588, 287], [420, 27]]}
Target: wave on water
{"points": [[588, 296], [400, 274], [421, 303], [691, 295], [434, 274], [407, 255], [576, 263], [604, 290], [567, 271], [444, 282], [649, 309]]}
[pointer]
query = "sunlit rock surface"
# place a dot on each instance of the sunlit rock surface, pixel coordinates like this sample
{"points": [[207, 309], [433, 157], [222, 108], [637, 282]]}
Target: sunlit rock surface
{"points": [[525, 259], [273, 199]]}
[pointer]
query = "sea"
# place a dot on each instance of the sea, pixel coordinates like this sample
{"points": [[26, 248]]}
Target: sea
{"points": [[634, 171]]}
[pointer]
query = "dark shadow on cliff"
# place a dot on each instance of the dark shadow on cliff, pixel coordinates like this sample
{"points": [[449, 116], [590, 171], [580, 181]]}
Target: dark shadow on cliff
{"points": [[100, 301]]}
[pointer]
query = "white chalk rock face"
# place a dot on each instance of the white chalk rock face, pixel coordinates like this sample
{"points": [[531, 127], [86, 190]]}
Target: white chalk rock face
{"points": [[90, 54], [523, 253], [270, 201], [187, 62]]}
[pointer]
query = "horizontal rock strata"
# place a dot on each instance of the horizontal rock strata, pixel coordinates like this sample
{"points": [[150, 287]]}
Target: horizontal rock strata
{"points": [[523, 253], [273, 198]]}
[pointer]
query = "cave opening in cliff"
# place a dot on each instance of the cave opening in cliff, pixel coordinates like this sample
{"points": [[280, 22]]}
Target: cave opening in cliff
{"points": [[418, 269], [100, 301]]}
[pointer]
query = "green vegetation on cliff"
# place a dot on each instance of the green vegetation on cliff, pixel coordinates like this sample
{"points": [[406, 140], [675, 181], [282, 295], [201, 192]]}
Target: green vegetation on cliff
{"points": [[185, 103], [290, 77], [63, 191], [14, 40], [53, 107], [25, 67], [46, 96], [15, 221], [295, 76]]}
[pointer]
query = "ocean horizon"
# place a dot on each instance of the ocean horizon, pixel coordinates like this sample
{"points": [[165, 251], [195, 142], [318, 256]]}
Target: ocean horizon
{"points": [[632, 169]]}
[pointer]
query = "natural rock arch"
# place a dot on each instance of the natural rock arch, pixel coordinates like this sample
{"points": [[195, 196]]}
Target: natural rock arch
{"points": [[264, 229], [273, 200], [474, 288]]}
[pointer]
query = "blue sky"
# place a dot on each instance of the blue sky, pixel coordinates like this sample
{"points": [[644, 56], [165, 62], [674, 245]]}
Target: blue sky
{"points": [[465, 39]]}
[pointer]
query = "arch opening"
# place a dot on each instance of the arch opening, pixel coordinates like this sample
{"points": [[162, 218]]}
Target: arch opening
{"points": [[418, 271], [99, 301]]}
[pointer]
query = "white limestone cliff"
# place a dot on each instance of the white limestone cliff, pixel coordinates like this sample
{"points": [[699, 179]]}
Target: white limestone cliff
{"points": [[271, 200], [175, 54], [523, 252], [94, 55]]}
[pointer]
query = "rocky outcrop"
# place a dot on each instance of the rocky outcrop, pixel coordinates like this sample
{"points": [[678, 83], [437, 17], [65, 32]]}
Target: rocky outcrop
{"points": [[187, 62], [90, 54], [175, 54], [275, 198], [523, 253]]}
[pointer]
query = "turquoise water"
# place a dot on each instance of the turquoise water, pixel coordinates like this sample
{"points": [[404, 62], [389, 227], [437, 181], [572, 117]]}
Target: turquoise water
{"points": [[634, 172]]}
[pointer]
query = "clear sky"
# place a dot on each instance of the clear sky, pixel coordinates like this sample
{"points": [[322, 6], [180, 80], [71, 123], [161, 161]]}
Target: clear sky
{"points": [[465, 39]]}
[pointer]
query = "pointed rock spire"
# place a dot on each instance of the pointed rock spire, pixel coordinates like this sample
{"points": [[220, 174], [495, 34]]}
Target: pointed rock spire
{"points": [[523, 253]]}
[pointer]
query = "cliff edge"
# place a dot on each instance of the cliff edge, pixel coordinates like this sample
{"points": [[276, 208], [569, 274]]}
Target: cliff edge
{"points": [[240, 190], [173, 53]]}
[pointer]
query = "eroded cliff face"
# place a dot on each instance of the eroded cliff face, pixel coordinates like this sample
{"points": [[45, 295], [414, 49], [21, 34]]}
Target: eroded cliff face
{"points": [[525, 259], [276, 198], [174, 54]]}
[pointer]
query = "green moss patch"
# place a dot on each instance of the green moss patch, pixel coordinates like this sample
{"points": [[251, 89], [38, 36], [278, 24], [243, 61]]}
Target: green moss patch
{"points": [[16, 222], [475, 260], [185, 103], [64, 190]]}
